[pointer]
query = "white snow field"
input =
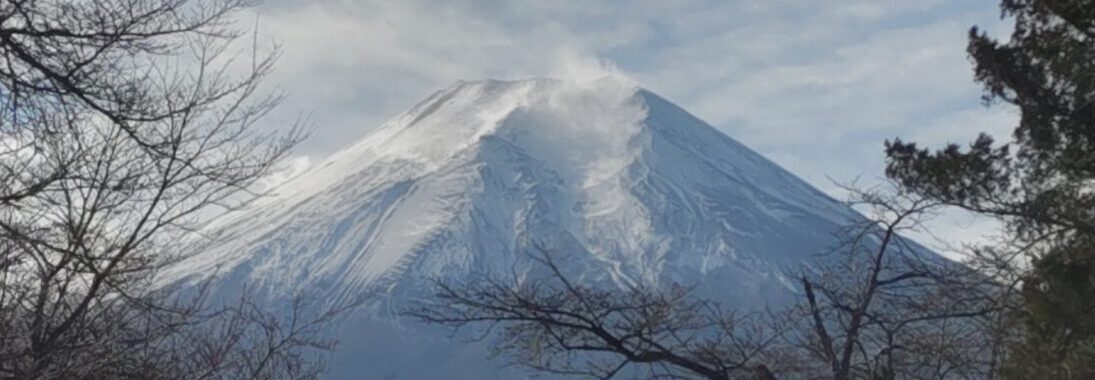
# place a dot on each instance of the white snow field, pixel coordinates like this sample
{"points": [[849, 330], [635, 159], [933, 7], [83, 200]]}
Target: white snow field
{"points": [[625, 184]]}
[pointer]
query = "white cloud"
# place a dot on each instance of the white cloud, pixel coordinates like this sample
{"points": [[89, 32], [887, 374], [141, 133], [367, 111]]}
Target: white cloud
{"points": [[355, 63]]}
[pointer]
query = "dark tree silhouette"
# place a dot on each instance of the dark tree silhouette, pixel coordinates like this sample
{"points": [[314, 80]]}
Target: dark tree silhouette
{"points": [[121, 122], [1039, 184]]}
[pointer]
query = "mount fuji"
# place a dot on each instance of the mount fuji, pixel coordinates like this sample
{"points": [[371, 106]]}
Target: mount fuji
{"points": [[632, 188]]}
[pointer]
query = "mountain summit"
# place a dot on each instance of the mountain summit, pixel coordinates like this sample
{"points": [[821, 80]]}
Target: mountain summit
{"points": [[630, 187]]}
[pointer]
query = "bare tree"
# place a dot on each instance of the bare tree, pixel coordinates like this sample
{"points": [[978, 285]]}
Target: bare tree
{"points": [[882, 307], [877, 307], [122, 122], [556, 325]]}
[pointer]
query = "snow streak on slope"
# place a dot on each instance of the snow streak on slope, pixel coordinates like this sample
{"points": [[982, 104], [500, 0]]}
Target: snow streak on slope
{"points": [[627, 185]]}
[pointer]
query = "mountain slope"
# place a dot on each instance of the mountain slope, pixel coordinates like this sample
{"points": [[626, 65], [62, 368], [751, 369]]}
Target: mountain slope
{"points": [[631, 187], [624, 185]]}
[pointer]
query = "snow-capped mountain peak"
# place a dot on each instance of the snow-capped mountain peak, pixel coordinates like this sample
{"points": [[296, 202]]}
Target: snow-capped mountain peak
{"points": [[631, 187]]}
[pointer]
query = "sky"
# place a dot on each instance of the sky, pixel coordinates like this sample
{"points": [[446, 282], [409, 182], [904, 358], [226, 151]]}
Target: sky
{"points": [[816, 86]]}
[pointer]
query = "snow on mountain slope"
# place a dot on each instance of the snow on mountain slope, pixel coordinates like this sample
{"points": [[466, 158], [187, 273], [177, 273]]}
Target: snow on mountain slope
{"points": [[629, 186], [623, 185]]}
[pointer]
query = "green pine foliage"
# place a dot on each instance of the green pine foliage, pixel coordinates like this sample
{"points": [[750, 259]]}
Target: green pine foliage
{"points": [[1041, 183]]}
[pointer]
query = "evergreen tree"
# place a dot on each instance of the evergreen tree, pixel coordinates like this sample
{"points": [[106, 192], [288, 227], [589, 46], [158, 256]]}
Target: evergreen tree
{"points": [[1041, 184]]}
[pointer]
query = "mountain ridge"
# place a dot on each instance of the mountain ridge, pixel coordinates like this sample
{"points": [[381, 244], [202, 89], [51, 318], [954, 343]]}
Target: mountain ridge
{"points": [[605, 167], [623, 185]]}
